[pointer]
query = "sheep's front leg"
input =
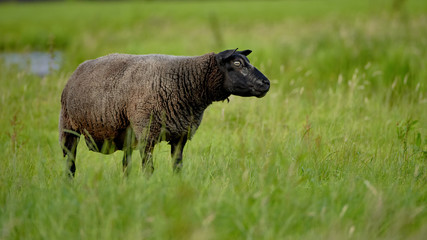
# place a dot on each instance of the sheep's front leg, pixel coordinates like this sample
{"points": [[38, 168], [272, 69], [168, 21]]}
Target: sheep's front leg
{"points": [[147, 160], [145, 132], [177, 147], [127, 159]]}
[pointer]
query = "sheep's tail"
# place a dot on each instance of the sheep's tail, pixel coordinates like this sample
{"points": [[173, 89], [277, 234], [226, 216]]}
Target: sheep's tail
{"points": [[61, 126]]}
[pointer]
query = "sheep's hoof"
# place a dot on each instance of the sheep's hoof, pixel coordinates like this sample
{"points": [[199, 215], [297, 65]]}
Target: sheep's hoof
{"points": [[177, 167], [148, 170], [126, 171]]}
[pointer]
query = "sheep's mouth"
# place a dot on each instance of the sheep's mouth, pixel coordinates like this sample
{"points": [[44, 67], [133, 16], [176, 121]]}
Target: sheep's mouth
{"points": [[261, 91], [261, 94], [251, 91]]}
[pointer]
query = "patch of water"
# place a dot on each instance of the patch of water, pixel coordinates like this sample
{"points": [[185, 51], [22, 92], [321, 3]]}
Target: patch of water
{"points": [[40, 63]]}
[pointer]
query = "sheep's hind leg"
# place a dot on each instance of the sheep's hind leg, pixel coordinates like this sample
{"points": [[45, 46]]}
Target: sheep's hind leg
{"points": [[127, 159], [127, 151], [177, 147], [69, 149]]}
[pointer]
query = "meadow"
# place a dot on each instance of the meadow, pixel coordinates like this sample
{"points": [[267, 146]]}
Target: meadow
{"points": [[336, 150]]}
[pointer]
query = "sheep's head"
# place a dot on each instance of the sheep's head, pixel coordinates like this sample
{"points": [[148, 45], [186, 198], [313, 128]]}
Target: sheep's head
{"points": [[241, 78]]}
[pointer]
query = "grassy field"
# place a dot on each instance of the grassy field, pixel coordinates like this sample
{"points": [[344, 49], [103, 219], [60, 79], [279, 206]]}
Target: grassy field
{"points": [[336, 150]]}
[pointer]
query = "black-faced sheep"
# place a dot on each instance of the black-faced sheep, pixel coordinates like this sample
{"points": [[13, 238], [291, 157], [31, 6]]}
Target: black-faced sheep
{"points": [[123, 102]]}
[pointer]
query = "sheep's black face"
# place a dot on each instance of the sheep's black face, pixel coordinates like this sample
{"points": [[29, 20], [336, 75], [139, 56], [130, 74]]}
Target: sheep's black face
{"points": [[241, 78]]}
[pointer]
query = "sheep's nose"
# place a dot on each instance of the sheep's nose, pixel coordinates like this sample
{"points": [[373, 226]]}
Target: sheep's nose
{"points": [[263, 82], [266, 81], [263, 85]]}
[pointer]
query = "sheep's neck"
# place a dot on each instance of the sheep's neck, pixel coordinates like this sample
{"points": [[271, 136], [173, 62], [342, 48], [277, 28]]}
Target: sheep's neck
{"points": [[205, 81], [214, 81]]}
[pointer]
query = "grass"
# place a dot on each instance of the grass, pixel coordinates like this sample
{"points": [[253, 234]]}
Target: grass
{"points": [[336, 150]]}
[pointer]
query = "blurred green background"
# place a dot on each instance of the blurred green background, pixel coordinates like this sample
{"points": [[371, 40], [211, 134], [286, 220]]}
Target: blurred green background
{"points": [[336, 150]]}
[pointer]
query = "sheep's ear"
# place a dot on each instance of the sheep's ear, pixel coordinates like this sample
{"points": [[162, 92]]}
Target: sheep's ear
{"points": [[224, 55], [245, 52]]}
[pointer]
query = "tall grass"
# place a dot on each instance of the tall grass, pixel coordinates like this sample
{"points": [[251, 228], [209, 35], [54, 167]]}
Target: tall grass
{"points": [[336, 150]]}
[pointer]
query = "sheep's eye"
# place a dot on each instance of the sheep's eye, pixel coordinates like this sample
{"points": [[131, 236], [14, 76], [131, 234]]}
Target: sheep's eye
{"points": [[237, 63]]}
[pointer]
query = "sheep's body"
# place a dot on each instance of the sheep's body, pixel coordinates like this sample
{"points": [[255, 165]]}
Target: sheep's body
{"points": [[156, 91], [119, 100]]}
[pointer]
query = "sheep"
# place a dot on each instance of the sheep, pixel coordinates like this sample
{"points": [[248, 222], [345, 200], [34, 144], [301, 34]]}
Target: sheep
{"points": [[126, 102]]}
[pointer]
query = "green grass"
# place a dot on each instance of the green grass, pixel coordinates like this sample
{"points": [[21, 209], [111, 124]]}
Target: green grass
{"points": [[336, 150]]}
